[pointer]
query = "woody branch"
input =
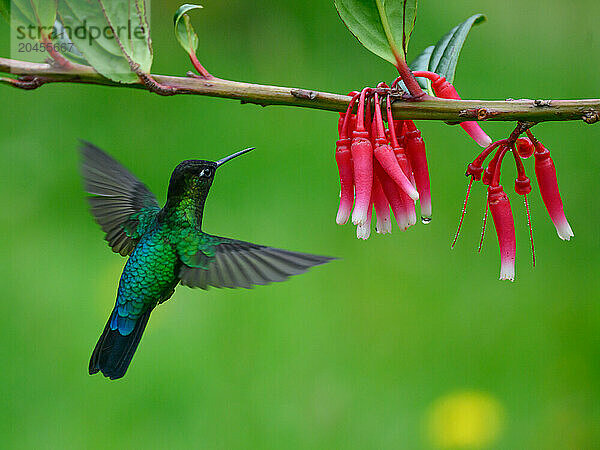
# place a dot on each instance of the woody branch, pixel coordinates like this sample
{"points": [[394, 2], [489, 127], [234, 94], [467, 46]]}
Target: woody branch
{"points": [[33, 75]]}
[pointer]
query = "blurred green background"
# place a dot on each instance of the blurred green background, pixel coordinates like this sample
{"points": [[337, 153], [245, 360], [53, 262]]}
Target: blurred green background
{"points": [[402, 343]]}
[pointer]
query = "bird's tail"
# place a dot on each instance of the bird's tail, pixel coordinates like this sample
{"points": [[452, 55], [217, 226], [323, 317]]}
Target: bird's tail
{"points": [[113, 352]]}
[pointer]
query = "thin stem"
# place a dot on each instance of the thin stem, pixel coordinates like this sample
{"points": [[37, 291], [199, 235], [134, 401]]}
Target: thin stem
{"points": [[487, 207], [344, 131], [426, 109], [199, 67], [530, 229], [462, 216], [409, 79]]}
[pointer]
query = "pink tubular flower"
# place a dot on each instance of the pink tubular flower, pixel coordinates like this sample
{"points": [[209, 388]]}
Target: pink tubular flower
{"points": [[382, 208], [498, 203], [344, 163], [343, 158], [392, 194], [386, 157], [415, 149], [362, 158], [443, 89], [363, 230], [488, 174], [548, 184], [505, 229]]}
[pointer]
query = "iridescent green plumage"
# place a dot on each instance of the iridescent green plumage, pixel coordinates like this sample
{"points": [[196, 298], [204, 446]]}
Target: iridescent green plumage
{"points": [[167, 246]]}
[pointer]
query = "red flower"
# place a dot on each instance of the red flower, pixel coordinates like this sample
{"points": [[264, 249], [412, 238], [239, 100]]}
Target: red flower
{"points": [[548, 184]]}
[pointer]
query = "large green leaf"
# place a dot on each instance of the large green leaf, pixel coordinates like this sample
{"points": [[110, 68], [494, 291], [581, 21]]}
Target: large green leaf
{"points": [[383, 26], [113, 35], [443, 56], [184, 31]]}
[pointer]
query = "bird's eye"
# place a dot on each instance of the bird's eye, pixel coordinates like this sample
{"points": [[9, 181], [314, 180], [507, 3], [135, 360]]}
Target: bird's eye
{"points": [[206, 173]]}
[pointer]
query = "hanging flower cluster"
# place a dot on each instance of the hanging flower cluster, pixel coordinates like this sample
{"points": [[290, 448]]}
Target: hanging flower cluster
{"points": [[498, 202], [382, 162], [382, 165]]}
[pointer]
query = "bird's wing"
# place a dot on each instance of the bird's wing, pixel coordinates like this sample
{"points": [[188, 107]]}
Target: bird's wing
{"points": [[121, 204], [223, 262]]}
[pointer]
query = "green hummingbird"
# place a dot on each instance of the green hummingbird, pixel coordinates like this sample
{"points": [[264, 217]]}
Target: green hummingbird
{"points": [[166, 246]]}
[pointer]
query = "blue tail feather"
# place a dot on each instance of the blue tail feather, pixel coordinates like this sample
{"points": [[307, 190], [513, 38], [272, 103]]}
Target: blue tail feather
{"points": [[114, 350]]}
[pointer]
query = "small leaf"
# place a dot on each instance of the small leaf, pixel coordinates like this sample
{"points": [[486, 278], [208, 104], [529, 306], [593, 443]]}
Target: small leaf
{"points": [[185, 33], [112, 36], [421, 62], [442, 57], [384, 27]]}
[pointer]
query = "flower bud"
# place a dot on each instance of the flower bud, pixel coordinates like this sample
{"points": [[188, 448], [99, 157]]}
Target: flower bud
{"points": [[525, 147]]}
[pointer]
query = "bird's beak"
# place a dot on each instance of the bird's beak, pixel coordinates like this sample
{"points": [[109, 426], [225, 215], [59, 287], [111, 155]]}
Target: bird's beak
{"points": [[235, 155]]}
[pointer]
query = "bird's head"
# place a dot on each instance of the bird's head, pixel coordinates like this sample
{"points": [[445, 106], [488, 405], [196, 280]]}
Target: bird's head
{"points": [[195, 176]]}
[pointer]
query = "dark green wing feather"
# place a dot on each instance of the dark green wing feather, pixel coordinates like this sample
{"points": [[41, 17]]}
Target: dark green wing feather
{"points": [[223, 262], [122, 205]]}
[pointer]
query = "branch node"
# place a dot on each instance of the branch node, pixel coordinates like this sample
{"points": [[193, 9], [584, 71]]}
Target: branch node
{"points": [[590, 117], [483, 114], [542, 103], [151, 83], [304, 94], [27, 82]]}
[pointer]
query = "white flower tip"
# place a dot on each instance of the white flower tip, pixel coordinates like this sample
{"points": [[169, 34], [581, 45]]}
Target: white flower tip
{"points": [[363, 231], [484, 141], [359, 216], [402, 221], [564, 231], [383, 226], [507, 271], [426, 209], [414, 194], [412, 217], [342, 216]]}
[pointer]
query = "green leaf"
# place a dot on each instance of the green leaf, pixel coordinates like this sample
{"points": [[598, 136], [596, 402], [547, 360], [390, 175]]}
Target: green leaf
{"points": [[40, 13], [382, 26], [113, 36], [423, 61], [184, 32], [443, 56], [5, 9], [69, 50]]}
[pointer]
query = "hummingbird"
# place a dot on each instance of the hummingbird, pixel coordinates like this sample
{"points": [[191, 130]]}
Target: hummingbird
{"points": [[166, 246]]}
